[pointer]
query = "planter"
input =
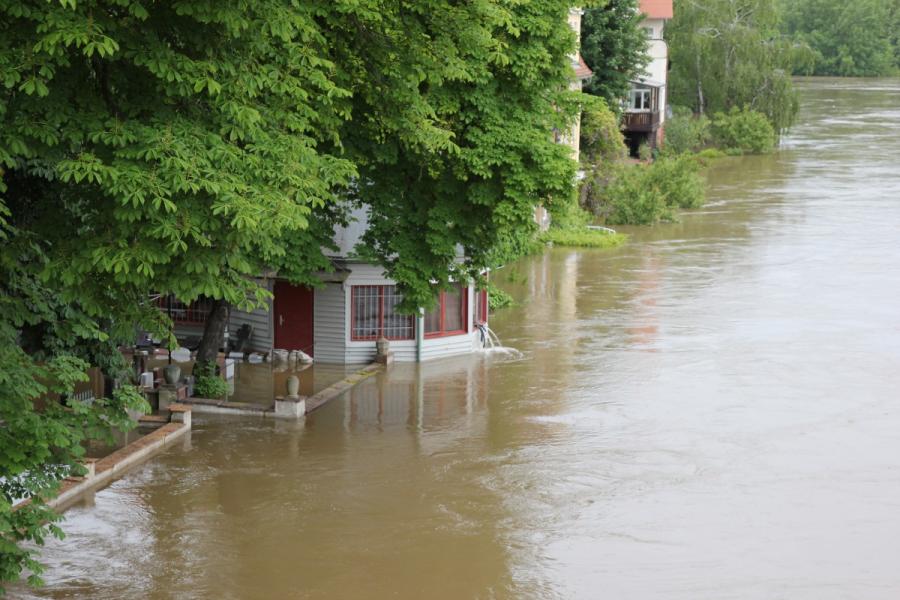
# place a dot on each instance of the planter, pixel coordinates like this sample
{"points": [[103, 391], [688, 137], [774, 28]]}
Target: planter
{"points": [[171, 374], [293, 386]]}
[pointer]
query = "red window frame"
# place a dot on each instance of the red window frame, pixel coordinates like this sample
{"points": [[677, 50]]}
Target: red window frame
{"points": [[442, 308], [380, 293], [481, 307]]}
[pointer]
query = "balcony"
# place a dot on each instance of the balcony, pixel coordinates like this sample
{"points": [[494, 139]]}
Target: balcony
{"points": [[642, 121]]}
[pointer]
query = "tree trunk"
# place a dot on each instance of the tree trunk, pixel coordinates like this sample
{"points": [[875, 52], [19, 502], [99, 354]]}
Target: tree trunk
{"points": [[701, 101], [213, 338]]}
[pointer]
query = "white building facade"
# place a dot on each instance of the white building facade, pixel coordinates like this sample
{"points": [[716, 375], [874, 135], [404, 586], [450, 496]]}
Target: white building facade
{"points": [[647, 101]]}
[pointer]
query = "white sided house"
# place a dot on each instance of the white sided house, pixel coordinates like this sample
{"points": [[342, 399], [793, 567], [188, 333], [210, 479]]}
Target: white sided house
{"points": [[646, 104], [340, 321], [350, 315]]}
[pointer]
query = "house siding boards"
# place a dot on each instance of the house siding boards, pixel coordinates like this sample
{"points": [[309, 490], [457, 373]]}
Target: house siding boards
{"points": [[263, 336], [333, 319], [329, 325]]}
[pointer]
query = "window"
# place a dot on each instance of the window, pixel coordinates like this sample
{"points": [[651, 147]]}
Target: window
{"points": [[481, 307], [449, 316], [193, 313], [373, 311], [639, 100], [649, 32]]}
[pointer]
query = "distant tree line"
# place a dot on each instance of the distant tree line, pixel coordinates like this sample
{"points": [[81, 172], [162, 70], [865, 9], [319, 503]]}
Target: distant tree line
{"points": [[847, 39]]}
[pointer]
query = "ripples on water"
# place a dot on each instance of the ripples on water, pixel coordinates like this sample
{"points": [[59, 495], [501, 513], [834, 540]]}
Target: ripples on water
{"points": [[709, 412]]}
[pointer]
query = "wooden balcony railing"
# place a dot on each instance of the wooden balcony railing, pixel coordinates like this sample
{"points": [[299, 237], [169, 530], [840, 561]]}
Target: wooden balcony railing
{"points": [[642, 121]]}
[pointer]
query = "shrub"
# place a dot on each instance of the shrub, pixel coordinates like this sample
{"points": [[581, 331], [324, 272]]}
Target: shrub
{"points": [[686, 132], [498, 298], [709, 154], [679, 180], [601, 136], [568, 213], [745, 130], [210, 386], [646, 194]]}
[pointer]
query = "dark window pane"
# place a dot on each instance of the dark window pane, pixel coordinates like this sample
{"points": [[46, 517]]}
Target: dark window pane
{"points": [[396, 326], [433, 320], [453, 310], [365, 312]]}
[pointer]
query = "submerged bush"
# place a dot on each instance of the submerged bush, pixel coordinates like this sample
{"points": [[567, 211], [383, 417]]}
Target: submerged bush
{"points": [[745, 130], [498, 298], [686, 132], [678, 178], [646, 194], [210, 386]]}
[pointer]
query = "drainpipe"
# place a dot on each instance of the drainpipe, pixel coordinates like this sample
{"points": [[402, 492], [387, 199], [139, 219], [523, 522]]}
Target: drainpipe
{"points": [[420, 334]]}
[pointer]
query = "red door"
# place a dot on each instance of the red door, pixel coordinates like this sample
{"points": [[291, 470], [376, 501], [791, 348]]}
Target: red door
{"points": [[293, 317]]}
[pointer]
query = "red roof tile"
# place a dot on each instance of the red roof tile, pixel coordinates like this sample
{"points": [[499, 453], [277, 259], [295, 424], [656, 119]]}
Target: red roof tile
{"points": [[657, 9], [582, 71]]}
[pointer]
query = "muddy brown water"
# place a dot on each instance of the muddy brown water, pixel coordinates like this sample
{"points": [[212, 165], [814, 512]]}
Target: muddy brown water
{"points": [[710, 412]]}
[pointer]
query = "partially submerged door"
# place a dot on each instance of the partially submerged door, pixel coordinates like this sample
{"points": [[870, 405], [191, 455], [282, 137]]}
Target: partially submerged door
{"points": [[293, 317]]}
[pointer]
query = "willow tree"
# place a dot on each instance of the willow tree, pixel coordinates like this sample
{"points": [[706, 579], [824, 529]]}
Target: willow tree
{"points": [[186, 147], [730, 53]]}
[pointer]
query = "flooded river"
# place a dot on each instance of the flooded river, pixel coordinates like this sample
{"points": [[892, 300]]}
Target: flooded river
{"points": [[711, 412]]}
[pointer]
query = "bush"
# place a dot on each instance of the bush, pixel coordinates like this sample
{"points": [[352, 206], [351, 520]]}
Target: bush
{"points": [[686, 132], [498, 298], [679, 180], [567, 213], [210, 386], [709, 154], [744, 130], [646, 194], [601, 136]]}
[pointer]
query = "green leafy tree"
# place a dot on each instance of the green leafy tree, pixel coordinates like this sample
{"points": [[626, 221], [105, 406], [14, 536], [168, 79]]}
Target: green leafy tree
{"points": [[894, 31], [602, 148], [615, 47], [453, 109], [729, 53], [170, 147], [850, 39], [186, 147]]}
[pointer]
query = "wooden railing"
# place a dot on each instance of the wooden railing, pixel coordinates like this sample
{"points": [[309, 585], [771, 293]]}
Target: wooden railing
{"points": [[642, 121]]}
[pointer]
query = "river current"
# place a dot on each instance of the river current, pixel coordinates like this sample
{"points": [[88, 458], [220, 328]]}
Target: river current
{"points": [[712, 411]]}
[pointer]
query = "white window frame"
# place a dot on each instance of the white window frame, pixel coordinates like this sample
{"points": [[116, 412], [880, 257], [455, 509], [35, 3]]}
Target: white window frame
{"points": [[646, 103]]}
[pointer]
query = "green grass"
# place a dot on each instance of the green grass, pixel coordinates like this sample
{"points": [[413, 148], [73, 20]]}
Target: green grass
{"points": [[582, 238]]}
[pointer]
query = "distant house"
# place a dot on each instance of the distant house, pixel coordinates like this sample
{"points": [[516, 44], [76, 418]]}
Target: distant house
{"points": [[645, 106]]}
